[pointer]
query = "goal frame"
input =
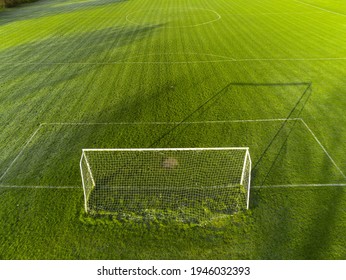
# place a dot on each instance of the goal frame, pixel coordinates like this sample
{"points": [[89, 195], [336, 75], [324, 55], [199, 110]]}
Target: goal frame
{"points": [[246, 161]]}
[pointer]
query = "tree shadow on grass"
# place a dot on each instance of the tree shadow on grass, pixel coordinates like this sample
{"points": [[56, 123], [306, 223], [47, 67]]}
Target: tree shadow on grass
{"points": [[176, 130], [326, 239], [201, 108], [325, 221], [281, 136], [32, 94], [99, 107], [212, 102], [42, 9], [290, 225], [26, 80], [54, 54], [135, 107], [301, 222], [96, 46]]}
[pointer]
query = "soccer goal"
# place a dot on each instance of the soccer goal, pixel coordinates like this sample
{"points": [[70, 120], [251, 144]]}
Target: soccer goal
{"points": [[183, 182]]}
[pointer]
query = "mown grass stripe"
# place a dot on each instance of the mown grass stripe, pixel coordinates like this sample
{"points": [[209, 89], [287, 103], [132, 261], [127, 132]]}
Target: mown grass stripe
{"points": [[317, 7]]}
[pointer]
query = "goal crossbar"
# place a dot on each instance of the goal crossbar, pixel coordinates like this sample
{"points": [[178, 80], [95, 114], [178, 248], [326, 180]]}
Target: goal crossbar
{"points": [[166, 149]]}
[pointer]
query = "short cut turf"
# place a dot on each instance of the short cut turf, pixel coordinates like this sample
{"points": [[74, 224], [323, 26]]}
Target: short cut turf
{"points": [[268, 74]]}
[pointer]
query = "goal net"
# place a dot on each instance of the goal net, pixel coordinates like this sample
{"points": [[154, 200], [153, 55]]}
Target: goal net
{"points": [[187, 183]]}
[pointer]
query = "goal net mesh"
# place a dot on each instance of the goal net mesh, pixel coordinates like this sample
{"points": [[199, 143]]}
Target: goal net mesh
{"points": [[185, 183]]}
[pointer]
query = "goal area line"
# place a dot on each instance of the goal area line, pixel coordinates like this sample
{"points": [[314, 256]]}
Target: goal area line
{"points": [[33, 135]]}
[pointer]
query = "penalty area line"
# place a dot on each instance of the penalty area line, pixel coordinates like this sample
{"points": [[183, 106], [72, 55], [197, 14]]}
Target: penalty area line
{"points": [[323, 148], [20, 152], [38, 187], [172, 123], [301, 185], [127, 123]]}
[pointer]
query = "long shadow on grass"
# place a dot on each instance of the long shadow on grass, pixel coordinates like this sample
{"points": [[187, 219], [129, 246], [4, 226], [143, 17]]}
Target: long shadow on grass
{"points": [[95, 46], [202, 108], [325, 238], [27, 80], [325, 222], [279, 139], [50, 55], [39, 93], [300, 223], [211, 102], [293, 114], [134, 108], [42, 9]]}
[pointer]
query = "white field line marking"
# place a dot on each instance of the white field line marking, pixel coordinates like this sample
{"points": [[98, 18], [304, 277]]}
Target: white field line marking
{"points": [[212, 122], [179, 62], [322, 9], [290, 59], [38, 187], [301, 185], [124, 123], [278, 13], [119, 62], [20, 153], [172, 123], [179, 53], [165, 123], [181, 26], [324, 149]]}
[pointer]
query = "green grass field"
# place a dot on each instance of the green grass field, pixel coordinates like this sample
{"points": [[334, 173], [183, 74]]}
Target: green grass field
{"points": [[264, 74]]}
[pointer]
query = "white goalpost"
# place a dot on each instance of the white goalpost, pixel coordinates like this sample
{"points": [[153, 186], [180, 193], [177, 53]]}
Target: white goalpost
{"points": [[187, 183]]}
